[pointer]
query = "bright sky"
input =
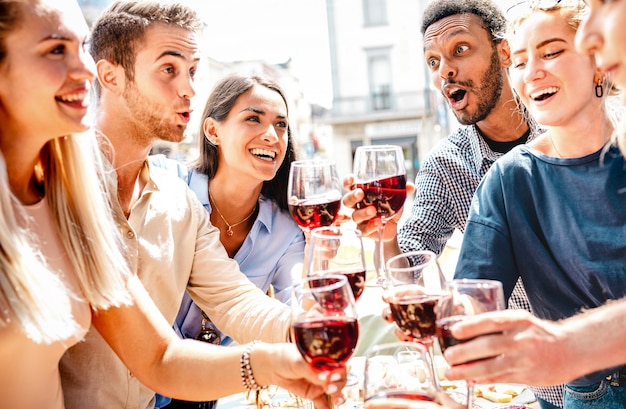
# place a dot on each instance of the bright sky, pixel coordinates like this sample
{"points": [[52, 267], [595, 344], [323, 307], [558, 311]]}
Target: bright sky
{"points": [[274, 31]]}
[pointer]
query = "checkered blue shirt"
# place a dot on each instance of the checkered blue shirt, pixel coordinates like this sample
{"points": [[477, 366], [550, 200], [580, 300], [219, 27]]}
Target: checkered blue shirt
{"points": [[444, 187]]}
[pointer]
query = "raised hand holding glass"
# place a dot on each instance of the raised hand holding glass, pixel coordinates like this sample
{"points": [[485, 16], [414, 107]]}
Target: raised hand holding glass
{"points": [[466, 297], [380, 172]]}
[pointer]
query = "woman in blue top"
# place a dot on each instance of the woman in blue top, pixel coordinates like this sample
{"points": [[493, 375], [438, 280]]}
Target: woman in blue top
{"points": [[552, 212], [241, 178]]}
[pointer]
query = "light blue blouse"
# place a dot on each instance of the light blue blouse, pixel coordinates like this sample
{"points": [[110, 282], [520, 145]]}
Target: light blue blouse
{"points": [[272, 253]]}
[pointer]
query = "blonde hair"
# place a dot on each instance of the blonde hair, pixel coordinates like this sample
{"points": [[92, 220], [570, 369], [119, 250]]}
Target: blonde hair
{"points": [[573, 12], [620, 135], [29, 291], [75, 181], [76, 185]]}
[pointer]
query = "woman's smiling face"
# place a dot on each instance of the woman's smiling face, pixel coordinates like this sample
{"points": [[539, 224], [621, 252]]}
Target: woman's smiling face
{"points": [[46, 72], [554, 81], [253, 137]]}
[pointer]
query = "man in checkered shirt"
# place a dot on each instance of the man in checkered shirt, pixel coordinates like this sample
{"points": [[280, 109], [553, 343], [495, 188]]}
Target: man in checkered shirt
{"points": [[467, 59]]}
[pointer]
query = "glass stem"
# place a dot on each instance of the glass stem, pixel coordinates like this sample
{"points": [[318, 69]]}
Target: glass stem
{"points": [[381, 274], [329, 400], [430, 346], [470, 394]]}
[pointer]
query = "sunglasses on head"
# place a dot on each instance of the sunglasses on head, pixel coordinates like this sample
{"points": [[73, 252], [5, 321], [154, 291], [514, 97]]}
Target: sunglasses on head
{"points": [[525, 5]]}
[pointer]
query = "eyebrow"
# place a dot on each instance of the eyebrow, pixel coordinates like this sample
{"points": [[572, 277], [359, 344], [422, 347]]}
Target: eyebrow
{"points": [[260, 112], [541, 44], [174, 54], [459, 31], [57, 37]]}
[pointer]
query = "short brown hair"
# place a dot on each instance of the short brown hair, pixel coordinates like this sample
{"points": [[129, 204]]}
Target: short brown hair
{"points": [[122, 26]]}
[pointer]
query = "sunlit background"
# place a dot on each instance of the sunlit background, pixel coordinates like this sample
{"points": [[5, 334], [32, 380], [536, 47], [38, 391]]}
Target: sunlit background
{"points": [[353, 71]]}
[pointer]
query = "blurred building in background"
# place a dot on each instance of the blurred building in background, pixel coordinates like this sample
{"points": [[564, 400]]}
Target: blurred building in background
{"points": [[380, 83], [302, 113]]}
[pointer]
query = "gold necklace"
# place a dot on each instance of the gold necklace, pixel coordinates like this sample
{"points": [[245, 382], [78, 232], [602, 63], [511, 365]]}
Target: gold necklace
{"points": [[229, 231]]}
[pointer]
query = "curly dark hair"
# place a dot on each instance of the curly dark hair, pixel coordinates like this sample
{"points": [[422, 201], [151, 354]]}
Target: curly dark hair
{"points": [[488, 11], [218, 106]]}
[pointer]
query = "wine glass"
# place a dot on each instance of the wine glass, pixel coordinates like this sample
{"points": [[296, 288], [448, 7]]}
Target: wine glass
{"points": [[314, 193], [338, 250], [324, 323], [398, 375], [379, 171], [415, 286], [466, 297]]}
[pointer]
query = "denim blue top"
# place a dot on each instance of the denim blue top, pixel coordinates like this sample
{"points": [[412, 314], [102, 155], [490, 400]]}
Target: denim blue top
{"points": [[559, 224]]}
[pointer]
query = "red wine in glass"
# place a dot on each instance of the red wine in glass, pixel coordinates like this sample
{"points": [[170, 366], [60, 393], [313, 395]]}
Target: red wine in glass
{"points": [[445, 335], [356, 279], [388, 195], [332, 300], [326, 343], [415, 315], [310, 214]]}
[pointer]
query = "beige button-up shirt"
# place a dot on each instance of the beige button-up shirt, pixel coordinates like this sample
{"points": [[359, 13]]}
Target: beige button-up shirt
{"points": [[172, 247]]}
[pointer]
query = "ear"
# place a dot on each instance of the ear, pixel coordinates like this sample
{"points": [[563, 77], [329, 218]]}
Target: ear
{"points": [[111, 76], [504, 53], [210, 131]]}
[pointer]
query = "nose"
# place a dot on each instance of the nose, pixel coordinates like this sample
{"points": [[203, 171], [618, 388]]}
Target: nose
{"points": [[533, 70], [83, 67], [270, 135], [446, 70], [588, 40], [187, 89]]}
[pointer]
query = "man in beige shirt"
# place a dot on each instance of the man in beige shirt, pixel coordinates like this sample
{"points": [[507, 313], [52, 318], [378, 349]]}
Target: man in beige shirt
{"points": [[147, 55]]}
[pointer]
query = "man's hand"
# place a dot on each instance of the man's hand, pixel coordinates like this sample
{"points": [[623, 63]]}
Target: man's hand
{"points": [[365, 218], [510, 346]]}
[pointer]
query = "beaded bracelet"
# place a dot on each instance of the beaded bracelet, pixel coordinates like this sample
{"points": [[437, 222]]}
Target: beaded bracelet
{"points": [[247, 377]]}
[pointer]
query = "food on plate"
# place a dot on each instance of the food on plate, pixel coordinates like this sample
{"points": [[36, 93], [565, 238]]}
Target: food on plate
{"points": [[499, 393], [493, 396]]}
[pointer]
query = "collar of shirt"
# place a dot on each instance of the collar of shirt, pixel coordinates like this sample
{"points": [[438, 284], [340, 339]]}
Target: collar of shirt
{"points": [[199, 182]]}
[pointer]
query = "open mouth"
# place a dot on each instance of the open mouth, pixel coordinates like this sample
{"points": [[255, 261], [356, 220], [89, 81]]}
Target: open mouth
{"points": [[457, 95], [264, 154], [78, 99], [185, 116], [544, 94]]}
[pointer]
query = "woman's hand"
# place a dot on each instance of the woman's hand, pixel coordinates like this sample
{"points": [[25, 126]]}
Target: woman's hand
{"points": [[284, 366]]}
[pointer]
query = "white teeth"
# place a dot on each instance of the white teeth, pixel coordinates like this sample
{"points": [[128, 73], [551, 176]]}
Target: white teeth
{"points": [[79, 96], [263, 152], [550, 90]]}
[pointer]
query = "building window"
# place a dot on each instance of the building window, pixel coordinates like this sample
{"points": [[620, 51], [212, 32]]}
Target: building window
{"points": [[379, 70], [374, 12]]}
